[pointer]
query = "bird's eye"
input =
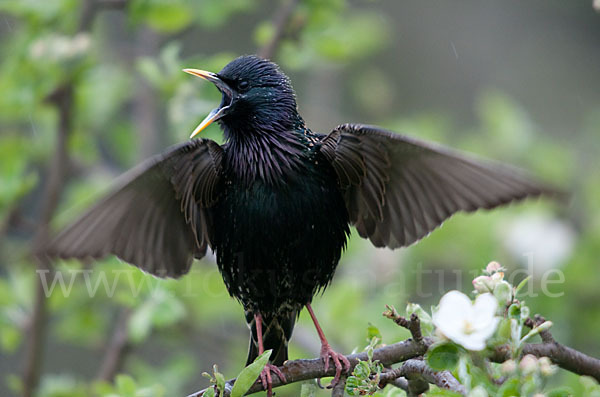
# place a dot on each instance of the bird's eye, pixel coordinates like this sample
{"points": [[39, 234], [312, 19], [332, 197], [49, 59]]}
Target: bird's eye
{"points": [[243, 85]]}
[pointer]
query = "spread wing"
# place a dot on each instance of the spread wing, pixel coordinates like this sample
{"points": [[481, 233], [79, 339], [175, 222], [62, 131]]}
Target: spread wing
{"points": [[398, 189], [155, 217]]}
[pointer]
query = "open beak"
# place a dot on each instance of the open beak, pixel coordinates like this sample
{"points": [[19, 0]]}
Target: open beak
{"points": [[222, 110]]}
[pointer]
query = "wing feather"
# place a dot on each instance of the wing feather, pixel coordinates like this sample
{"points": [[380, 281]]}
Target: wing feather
{"points": [[398, 189], [155, 217]]}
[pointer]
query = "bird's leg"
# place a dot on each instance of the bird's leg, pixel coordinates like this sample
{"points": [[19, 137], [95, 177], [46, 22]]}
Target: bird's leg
{"points": [[339, 360], [265, 375]]}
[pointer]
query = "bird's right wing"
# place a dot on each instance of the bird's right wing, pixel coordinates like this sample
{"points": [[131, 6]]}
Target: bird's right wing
{"points": [[398, 189], [155, 217]]}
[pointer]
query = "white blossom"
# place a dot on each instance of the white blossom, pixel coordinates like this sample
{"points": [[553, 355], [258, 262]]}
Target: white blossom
{"points": [[548, 242], [467, 323]]}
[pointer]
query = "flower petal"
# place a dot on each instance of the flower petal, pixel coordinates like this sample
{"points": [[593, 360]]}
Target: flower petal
{"points": [[484, 309], [453, 308]]}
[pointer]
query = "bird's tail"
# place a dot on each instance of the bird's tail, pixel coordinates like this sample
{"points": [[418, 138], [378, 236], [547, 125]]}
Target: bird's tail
{"points": [[277, 331]]}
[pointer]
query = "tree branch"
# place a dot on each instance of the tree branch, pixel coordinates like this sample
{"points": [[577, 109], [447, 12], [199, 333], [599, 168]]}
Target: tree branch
{"points": [[117, 348], [280, 23], [62, 99], [300, 370], [563, 356], [414, 376]]}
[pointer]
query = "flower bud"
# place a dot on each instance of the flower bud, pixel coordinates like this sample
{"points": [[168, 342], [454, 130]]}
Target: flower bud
{"points": [[503, 292], [483, 284], [546, 366], [497, 277], [545, 326], [493, 267], [508, 367], [529, 364]]}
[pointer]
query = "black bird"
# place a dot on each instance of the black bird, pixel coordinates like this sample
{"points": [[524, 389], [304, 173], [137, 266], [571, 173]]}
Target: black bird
{"points": [[276, 202]]}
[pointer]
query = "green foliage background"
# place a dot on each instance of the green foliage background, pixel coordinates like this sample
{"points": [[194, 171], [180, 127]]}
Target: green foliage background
{"points": [[515, 82]]}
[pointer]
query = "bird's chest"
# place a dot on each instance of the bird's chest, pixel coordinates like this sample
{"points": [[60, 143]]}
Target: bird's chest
{"points": [[277, 244], [270, 216]]}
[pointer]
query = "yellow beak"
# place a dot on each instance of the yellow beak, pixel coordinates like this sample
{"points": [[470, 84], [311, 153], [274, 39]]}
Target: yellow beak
{"points": [[215, 114]]}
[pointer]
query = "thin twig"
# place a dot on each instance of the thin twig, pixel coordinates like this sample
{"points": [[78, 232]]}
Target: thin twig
{"points": [[413, 324]]}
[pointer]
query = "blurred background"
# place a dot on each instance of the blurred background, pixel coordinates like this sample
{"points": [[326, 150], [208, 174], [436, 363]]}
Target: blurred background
{"points": [[90, 88]]}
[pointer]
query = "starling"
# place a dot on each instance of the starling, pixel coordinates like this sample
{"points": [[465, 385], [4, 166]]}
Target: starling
{"points": [[276, 201]]}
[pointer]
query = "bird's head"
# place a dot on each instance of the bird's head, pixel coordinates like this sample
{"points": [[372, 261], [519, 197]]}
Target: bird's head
{"points": [[257, 96]]}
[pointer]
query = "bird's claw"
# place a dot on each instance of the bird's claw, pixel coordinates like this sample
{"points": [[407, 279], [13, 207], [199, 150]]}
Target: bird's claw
{"points": [[267, 381], [340, 362]]}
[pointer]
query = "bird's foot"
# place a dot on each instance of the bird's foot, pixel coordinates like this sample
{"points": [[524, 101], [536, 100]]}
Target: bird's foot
{"points": [[267, 381], [340, 362]]}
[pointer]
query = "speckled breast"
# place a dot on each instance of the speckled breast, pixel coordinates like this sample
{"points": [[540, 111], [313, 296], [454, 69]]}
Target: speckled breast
{"points": [[277, 245]]}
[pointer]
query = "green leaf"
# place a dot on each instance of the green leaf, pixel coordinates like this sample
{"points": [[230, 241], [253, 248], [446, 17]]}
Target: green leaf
{"points": [[509, 388], [126, 386], [350, 37], [248, 376], [10, 338], [161, 309], [373, 332], [443, 356], [514, 311], [150, 70], [140, 322], [264, 33], [522, 284], [562, 392], [162, 15], [352, 385], [504, 329], [309, 389], [362, 370], [209, 393], [219, 378]]}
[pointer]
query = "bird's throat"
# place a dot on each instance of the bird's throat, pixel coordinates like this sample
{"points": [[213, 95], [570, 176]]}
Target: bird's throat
{"points": [[272, 157]]}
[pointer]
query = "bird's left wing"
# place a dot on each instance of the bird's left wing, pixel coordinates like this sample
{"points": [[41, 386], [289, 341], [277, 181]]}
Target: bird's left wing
{"points": [[398, 189], [155, 217]]}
